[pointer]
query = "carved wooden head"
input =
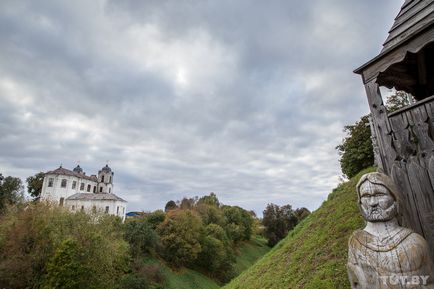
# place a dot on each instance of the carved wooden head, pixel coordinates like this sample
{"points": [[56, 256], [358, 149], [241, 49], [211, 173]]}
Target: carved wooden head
{"points": [[378, 197]]}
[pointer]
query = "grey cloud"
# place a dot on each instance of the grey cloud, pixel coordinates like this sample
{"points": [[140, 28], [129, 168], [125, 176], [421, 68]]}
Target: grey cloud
{"points": [[245, 98]]}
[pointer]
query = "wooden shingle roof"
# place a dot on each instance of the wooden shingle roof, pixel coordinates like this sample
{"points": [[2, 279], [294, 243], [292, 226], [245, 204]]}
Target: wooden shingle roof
{"points": [[415, 15], [395, 66]]}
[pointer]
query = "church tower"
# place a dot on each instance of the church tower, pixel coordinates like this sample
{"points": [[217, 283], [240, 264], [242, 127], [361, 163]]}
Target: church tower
{"points": [[105, 180]]}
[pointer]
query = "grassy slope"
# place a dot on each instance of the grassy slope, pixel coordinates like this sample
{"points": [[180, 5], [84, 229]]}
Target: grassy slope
{"points": [[314, 255], [248, 254]]}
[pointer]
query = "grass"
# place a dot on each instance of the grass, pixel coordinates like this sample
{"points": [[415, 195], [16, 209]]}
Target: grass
{"points": [[314, 254], [249, 252], [186, 279]]}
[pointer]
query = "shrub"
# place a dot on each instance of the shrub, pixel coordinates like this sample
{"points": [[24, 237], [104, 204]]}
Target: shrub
{"points": [[140, 235], [37, 240], [155, 218]]}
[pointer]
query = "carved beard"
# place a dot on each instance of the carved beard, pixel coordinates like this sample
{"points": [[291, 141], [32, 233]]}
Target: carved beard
{"points": [[378, 214]]}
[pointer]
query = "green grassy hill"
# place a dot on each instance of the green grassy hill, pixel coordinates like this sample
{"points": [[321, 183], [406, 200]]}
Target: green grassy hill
{"points": [[247, 254], [314, 254]]}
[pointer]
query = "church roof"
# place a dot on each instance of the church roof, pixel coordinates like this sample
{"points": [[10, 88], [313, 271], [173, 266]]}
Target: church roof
{"points": [[96, 197], [106, 169], [415, 16], [66, 172], [78, 169]]}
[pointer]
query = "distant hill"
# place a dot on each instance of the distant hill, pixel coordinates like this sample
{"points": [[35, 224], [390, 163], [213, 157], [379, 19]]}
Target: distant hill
{"points": [[314, 254]]}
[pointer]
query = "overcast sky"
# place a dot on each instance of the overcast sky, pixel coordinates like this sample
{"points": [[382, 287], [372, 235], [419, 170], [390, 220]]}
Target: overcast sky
{"points": [[246, 99]]}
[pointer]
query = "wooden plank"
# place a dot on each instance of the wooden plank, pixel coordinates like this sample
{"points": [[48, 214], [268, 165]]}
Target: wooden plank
{"points": [[418, 120], [402, 137], [408, 25], [424, 198], [411, 218], [371, 69], [382, 128], [429, 107], [406, 31]]}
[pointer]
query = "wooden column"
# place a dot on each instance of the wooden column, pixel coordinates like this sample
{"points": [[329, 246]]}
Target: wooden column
{"points": [[405, 145]]}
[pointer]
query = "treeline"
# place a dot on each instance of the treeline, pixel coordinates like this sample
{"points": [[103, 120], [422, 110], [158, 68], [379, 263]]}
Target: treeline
{"points": [[44, 246], [198, 233], [279, 220]]}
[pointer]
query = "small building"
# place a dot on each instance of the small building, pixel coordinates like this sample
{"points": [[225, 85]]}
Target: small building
{"points": [[78, 192]]}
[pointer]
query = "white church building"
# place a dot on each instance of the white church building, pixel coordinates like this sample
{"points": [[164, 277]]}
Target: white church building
{"points": [[79, 192]]}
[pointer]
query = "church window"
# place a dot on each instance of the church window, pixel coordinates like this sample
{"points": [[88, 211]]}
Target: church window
{"points": [[106, 209], [61, 202], [74, 184], [73, 207], [102, 178], [81, 186], [110, 190], [63, 183], [88, 188], [94, 189], [100, 189], [50, 182], [110, 179], [117, 210]]}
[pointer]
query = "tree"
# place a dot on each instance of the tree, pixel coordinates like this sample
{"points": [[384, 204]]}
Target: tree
{"points": [[187, 203], [398, 100], [170, 205], [356, 150], [301, 214], [11, 191], [180, 237], [211, 200], [238, 223], [65, 269], [141, 236], [34, 185], [155, 218], [278, 221], [210, 214]]}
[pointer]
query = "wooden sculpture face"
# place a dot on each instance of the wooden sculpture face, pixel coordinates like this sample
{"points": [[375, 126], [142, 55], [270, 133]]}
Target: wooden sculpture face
{"points": [[377, 203]]}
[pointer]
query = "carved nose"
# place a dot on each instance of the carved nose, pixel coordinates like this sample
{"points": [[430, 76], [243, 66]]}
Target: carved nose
{"points": [[373, 202]]}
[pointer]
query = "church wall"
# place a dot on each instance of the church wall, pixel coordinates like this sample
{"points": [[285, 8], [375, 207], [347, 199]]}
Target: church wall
{"points": [[100, 206], [56, 192]]}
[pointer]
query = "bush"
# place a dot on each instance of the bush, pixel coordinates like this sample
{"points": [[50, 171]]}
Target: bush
{"points": [[66, 269], [140, 235], [216, 258], [40, 244], [133, 282], [155, 218]]}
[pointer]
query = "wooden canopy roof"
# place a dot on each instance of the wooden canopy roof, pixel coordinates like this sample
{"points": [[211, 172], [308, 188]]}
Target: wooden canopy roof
{"points": [[405, 62], [414, 16]]}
